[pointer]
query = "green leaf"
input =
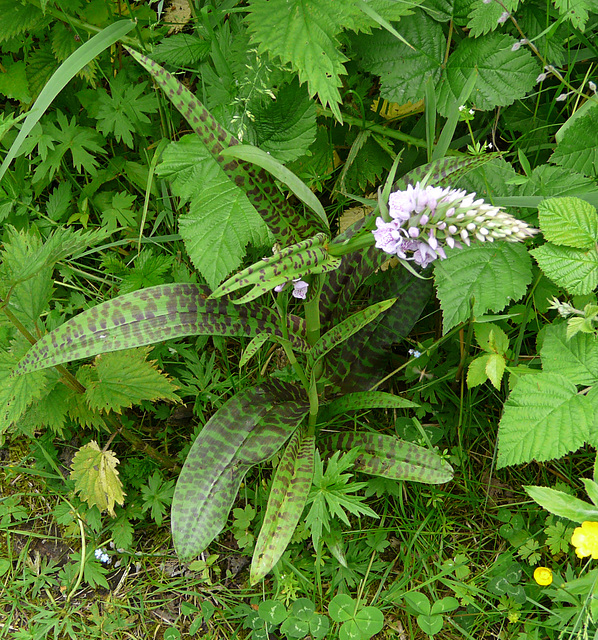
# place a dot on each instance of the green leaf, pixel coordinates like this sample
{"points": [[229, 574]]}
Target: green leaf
{"points": [[248, 429], [341, 608], [17, 393], [365, 400], [152, 315], [575, 359], [503, 75], [576, 12], [476, 372], [492, 274], [569, 221], [495, 367], [272, 611], [286, 127], [345, 329], [181, 50], [403, 70], [574, 269], [591, 488], [67, 70], [18, 18], [74, 139], [544, 418], [417, 601], [577, 150], [121, 112], [13, 81], [265, 161], [120, 379], [303, 33], [96, 478], [484, 16], [221, 221], [369, 621], [288, 495], [563, 504], [392, 458], [286, 224], [430, 624]]}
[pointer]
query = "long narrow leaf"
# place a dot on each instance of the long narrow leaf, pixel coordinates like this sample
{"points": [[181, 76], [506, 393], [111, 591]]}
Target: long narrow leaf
{"points": [[362, 400], [288, 495], [152, 315], [392, 458], [287, 225], [346, 329], [248, 429], [62, 76]]}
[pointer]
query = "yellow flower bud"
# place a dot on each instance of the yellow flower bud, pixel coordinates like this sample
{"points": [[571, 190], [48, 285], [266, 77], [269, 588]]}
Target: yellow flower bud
{"points": [[543, 576]]}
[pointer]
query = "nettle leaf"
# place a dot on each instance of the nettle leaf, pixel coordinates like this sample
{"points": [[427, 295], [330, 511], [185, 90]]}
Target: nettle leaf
{"points": [[290, 488], [569, 221], [404, 71], [492, 275], [576, 359], [484, 16], [152, 315], [13, 80], [574, 269], [576, 12], [503, 75], [17, 393], [303, 33], [544, 418], [18, 18], [248, 429], [287, 224], [577, 149], [120, 379], [181, 50], [286, 127], [96, 478], [389, 457], [221, 221]]}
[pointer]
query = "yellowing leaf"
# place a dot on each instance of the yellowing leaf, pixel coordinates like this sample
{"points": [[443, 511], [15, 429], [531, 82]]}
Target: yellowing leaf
{"points": [[96, 478]]}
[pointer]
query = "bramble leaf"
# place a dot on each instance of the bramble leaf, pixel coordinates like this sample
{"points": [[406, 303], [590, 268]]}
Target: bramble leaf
{"points": [[492, 275], [577, 149], [96, 478], [574, 269], [569, 221], [404, 71], [544, 418], [575, 358]]}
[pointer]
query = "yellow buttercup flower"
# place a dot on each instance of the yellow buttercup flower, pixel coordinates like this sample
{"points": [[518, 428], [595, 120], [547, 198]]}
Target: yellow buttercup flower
{"points": [[543, 576], [585, 540]]}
